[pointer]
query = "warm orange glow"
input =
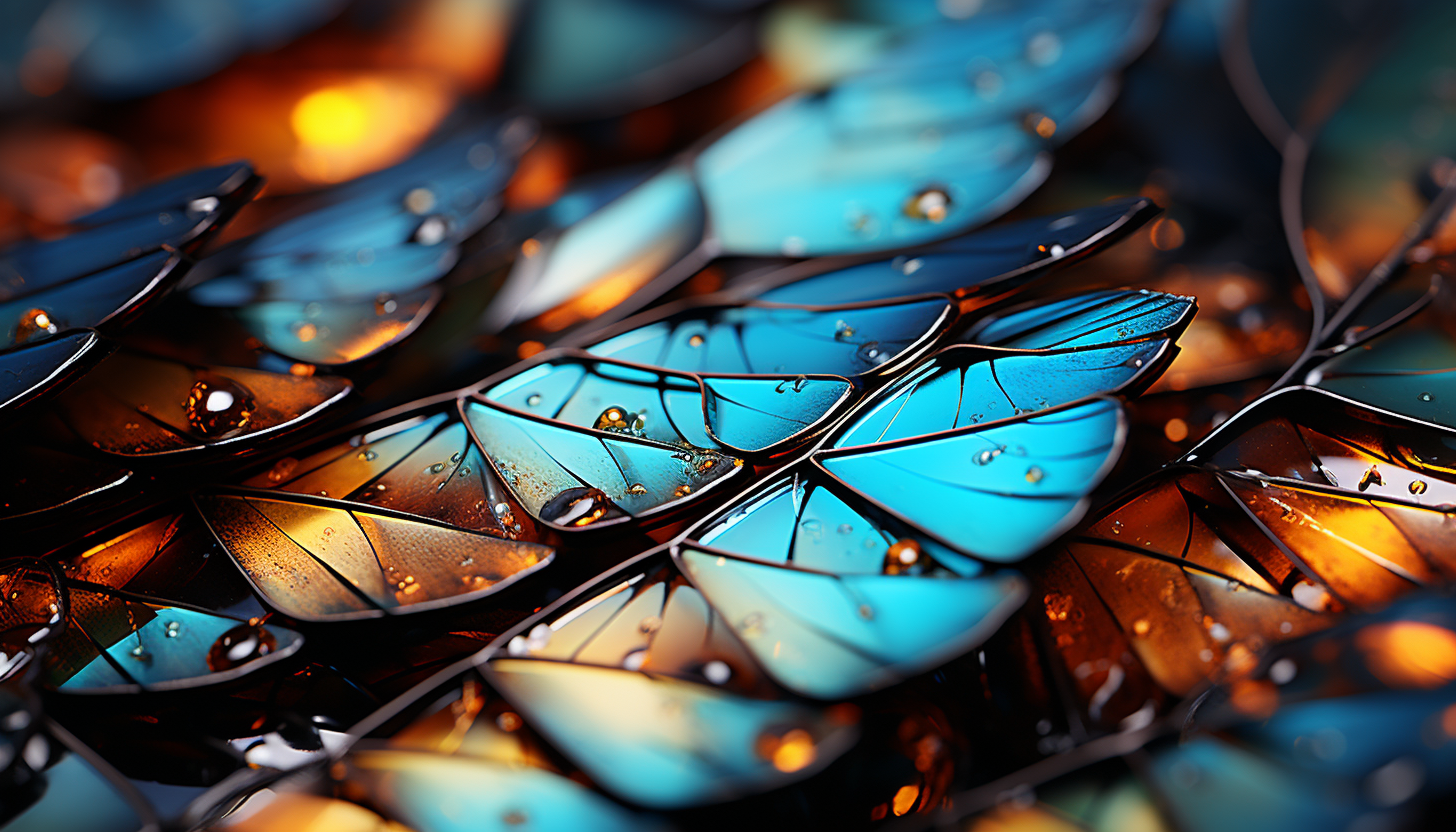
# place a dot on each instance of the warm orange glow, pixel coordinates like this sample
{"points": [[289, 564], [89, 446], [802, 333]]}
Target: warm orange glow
{"points": [[349, 128], [331, 118], [1176, 430], [1409, 654], [593, 300], [529, 348], [1022, 820], [905, 799], [1255, 699], [541, 176], [310, 813], [461, 39], [791, 752], [1166, 234]]}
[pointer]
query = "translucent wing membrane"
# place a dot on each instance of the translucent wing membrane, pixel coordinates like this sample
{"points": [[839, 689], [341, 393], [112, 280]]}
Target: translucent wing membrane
{"points": [[694, 721], [992, 257], [842, 171], [964, 386], [129, 614], [1307, 436], [31, 371], [422, 463], [444, 794], [137, 405], [774, 340], [319, 560], [347, 273], [643, 616], [117, 259], [1087, 320], [999, 492], [1409, 369], [809, 520], [647, 236], [826, 635], [573, 477], [1351, 712], [750, 414], [70, 788]]}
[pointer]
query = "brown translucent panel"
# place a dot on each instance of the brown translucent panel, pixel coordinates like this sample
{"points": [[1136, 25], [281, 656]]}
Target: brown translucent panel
{"points": [[30, 600], [1188, 516], [1099, 663], [643, 617], [1311, 436], [447, 479], [321, 561], [423, 465], [474, 722], [1251, 616], [1343, 541], [1432, 532], [134, 405], [1158, 610], [290, 578], [118, 560]]}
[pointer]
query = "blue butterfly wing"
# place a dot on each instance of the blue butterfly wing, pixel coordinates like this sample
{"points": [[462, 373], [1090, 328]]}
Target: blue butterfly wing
{"points": [[828, 636], [959, 388], [1015, 250], [348, 273], [774, 340], [1410, 370], [608, 255], [118, 258], [1086, 320], [808, 520], [576, 477], [31, 371], [660, 742], [757, 414], [787, 182], [1000, 492]]}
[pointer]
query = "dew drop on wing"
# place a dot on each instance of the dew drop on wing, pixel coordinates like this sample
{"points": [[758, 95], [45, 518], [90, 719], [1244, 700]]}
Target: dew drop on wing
{"points": [[240, 645], [218, 407], [580, 506]]}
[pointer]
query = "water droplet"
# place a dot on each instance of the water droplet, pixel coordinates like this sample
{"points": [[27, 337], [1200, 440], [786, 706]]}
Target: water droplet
{"points": [[650, 624], [987, 456], [1311, 597], [368, 455], [636, 488], [902, 554], [813, 528], [845, 528], [1418, 487], [1034, 475], [240, 645], [579, 507], [385, 304], [140, 653], [682, 491], [932, 204], [174, 629], [35, 324], [202, 205], [217, 407], [1369, 478], [843, 331], [866, 612], [1117, 527], [1044, 48], [1425, 397], [419, 201], [717, 672], [695, 341], [613, 419], [752, 625], [871, 353], [533, 400], [435, 468], [431, 231]]}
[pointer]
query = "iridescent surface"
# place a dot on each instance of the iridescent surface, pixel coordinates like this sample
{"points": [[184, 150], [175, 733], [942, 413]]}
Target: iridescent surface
{"points": [[751, 414], [773, 340], [998, 492]]}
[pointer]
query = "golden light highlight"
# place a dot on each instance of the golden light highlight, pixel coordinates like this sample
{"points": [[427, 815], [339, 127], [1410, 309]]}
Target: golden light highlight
{"points": [[1409, 654], [352, 127]]}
